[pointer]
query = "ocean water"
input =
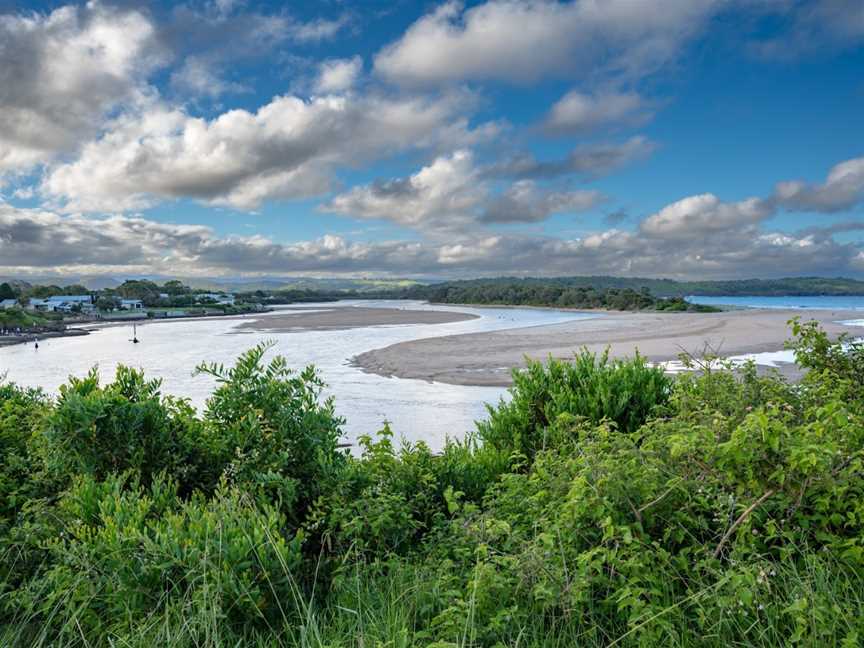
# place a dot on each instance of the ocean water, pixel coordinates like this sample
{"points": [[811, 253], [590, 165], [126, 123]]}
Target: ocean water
{"points": [[822, 302], [417, 410]]}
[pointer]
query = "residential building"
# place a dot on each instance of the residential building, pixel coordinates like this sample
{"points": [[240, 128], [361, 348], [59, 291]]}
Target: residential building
{"points": [[68, 303], [131, 304], [36, 304], [8, 303]]}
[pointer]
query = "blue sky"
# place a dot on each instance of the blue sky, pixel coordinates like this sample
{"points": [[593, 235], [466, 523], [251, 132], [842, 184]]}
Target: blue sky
{"points": [[680, 138]]}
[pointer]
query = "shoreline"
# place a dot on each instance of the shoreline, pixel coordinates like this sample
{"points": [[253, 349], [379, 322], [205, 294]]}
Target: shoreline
{"points": [[486, 359], [77, 328], [24, 338]]}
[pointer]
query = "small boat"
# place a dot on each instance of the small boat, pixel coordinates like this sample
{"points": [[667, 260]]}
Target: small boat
{"points": [[134, 339]]}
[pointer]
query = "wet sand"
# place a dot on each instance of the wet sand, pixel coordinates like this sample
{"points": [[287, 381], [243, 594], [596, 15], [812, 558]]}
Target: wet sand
{"points": [[322, 318], [487, 358]]}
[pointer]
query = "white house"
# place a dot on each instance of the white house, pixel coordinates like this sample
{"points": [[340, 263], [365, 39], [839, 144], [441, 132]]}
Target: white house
{"points": [[8, 303], [131, 304]]}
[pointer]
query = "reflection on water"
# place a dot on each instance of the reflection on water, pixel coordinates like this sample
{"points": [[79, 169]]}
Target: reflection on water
{"points": [[416, 410]]}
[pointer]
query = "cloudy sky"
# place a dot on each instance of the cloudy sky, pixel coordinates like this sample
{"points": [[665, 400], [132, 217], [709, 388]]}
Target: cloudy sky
{"points": [[678, 138]]}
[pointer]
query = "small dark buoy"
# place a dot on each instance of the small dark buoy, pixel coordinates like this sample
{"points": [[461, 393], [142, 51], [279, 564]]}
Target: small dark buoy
{"points": [[36, 344]]}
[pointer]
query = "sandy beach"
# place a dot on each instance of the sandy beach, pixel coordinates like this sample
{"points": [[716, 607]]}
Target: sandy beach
{"points": [[322, 318], [487, 358]]}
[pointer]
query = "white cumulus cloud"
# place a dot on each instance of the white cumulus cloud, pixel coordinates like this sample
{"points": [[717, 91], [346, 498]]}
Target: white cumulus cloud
{"points": [[842, 190], [287, 149], [63, 72], [526, 40]]}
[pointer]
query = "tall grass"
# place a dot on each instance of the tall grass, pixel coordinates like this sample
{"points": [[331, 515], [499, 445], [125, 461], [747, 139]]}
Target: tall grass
{"points": [[817, 600]]}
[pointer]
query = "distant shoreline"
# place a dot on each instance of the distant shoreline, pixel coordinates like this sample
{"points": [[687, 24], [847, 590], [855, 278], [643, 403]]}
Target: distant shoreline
{"points": [[24, 338], [78, 328]]}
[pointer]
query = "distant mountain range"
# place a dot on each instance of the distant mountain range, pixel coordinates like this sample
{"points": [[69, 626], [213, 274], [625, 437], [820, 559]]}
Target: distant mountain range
{"points": [[226, 284]]}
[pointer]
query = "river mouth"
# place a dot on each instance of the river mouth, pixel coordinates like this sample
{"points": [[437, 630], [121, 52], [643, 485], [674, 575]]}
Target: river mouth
{"points": [[416, 409]]}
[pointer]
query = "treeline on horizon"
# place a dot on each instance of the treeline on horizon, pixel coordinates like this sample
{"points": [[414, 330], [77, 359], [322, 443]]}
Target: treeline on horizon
{"points": [[367, 288], [792, 286], [603, 503], [553, 294], [504, 293], [618, 293]]}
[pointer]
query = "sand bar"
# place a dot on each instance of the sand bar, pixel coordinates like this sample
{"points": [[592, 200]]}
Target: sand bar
{"points": [[322, 318], [487, 358]]}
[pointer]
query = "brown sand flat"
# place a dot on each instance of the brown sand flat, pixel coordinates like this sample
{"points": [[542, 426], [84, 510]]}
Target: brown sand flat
{"points": [[345, 317], [487, 358]]}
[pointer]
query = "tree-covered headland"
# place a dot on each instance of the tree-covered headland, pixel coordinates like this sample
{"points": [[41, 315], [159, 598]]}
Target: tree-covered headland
{"points": [[555, 294], [603, 504]]}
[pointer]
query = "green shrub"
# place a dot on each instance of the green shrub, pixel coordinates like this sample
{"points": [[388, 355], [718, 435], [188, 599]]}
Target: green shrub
{"points": [[21, 412], [387, 499], [126, 553], [384, 500], [270, 432], [590, 387], [675, 531], [125, 425], [604, 505]]}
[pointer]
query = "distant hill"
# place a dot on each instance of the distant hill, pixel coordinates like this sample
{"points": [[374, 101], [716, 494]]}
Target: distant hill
{"points": [[304, 283], [270, 284], [99, 282]]}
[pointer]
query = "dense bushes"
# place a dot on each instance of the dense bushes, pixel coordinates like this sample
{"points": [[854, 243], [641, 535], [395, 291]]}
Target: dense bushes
{"points": [[603, 504], [546, 398]]}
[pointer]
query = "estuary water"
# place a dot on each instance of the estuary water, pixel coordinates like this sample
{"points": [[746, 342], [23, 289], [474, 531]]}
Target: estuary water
{"points": [[416, 410], [781, 356], [821, 302]]}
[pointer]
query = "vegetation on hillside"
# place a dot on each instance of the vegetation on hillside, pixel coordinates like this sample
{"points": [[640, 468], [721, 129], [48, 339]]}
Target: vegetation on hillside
{"points": [[604, 504], [618, 293], [549, 293], [12, 319], [498, 292], [795, 286]]}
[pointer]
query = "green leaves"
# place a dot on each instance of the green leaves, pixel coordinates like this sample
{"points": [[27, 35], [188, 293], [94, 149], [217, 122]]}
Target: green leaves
{"points": [[548, 401], [604, 504]]}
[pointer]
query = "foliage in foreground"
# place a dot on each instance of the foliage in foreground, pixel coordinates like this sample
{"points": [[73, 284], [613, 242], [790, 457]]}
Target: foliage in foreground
{"points": [[603, 504]]}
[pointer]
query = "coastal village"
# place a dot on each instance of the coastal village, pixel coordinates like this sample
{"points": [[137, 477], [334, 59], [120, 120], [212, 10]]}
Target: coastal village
{"points": [[30, 312], [87, 304]]}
